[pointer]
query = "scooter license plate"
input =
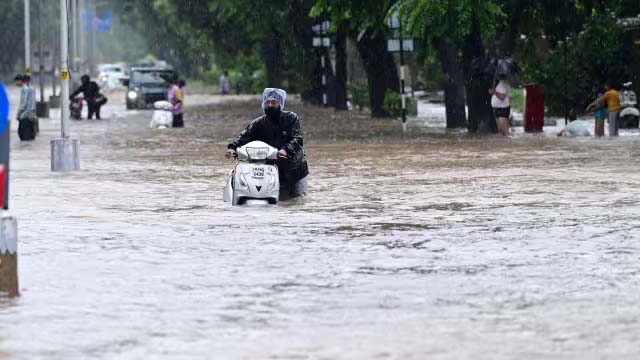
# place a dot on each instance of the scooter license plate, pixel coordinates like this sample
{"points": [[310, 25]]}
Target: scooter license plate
{"points": [[258, 172]]}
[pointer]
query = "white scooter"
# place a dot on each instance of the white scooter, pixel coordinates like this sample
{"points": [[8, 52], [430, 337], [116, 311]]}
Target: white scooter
{"points": [[629, 113], [255, 177], [162, 117]]}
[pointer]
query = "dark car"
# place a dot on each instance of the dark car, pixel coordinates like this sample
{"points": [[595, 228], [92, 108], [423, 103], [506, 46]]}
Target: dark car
{"points": [[146, 86]]}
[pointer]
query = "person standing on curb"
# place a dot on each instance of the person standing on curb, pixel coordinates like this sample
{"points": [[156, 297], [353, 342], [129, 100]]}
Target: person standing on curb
{"points": [[26, 114], [500, 103], [612, 99]]}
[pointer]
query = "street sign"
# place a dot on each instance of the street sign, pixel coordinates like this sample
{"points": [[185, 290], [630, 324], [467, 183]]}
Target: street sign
{"points": [[321, 42], [104, 22], [92, 21], [4, 109], [64, 75], [321, 28], [393, 45]]}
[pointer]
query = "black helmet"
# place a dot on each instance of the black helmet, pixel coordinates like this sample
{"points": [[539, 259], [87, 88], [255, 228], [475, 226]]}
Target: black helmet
{"points": [[85, 78], [18, 77]]}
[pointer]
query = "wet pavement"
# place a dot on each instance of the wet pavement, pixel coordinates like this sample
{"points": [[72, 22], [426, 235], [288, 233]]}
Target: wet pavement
{"points": [[435, 245]]}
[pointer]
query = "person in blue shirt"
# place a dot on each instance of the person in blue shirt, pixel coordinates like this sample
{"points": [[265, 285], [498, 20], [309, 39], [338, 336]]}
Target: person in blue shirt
{"points": [[26, 114], [600, 112]]}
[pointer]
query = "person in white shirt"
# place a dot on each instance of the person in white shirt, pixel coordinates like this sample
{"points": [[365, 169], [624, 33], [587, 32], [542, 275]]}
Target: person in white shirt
{"points": [[500, 103]]}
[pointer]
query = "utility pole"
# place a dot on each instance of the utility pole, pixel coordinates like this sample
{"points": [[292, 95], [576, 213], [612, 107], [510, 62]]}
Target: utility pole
{"points": [[40, 60], [27, 37], [398, 45], [404, 97], [65, 152], [54, 102], [92, 38], [74, 34], [42, 107], [82, 37], [323, 42]]}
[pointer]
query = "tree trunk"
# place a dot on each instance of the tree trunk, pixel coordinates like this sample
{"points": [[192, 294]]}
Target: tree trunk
{"points": [[273, 60], [341, 67], [479, 81], [454, 91], [381, 70]]}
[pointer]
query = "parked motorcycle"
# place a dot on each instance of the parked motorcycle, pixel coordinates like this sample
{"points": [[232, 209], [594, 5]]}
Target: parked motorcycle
{"points": [[629, 113], [75, 108]]}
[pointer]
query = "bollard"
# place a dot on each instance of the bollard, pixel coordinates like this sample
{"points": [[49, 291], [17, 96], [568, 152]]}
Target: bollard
{"points": [[65, 155], [8, 256]]}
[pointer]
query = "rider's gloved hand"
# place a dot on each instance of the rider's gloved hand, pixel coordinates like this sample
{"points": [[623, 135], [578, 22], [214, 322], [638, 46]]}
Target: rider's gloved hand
{"points": [[230, 153]]}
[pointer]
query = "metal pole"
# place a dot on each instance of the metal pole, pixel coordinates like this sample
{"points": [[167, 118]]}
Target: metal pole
{"points": [[64, 68], [324, 78], [74, 33], [54, 53], [404, 98], [82, 39], [27, 37], [566, 90], [92, 39], [40, 62]]}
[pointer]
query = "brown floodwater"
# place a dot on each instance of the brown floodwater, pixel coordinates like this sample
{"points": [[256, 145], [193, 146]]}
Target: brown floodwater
{"points": [[435, 244]]}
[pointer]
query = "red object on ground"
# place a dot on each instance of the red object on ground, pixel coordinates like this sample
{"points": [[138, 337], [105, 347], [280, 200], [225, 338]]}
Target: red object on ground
{"points": [[2, 180], [534, 108]]}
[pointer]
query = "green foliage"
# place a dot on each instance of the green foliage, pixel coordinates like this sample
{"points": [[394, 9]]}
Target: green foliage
{"points": [[449, 18], [359, 94], [393, 104], [592, 56], [516, 99], [11, 36], [363, 15]]}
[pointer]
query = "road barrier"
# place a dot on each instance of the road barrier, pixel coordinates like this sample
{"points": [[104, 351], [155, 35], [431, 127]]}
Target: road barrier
{"points": [[8, 224]]}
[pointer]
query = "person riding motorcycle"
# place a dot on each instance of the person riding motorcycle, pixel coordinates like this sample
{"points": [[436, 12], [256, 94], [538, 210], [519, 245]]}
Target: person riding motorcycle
{"points": [[280, 129]]}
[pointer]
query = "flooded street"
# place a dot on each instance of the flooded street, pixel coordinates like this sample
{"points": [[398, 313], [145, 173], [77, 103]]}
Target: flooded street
{"points": [[435, 245]]}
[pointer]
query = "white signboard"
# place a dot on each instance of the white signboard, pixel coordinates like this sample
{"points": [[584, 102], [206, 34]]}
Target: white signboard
{"points": [[393, 45], [321, 42]]}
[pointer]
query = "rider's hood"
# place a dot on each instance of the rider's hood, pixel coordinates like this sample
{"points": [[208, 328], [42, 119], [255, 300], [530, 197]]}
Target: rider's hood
{"points": [[272, 93]]}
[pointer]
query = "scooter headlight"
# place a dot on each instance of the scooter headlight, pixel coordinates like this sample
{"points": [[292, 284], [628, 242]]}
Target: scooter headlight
{"points": [[132, 95], [243, 182], [256, 154]]}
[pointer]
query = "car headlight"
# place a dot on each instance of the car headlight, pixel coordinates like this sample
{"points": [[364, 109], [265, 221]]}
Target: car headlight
{"points": [[243, 182], [132, 95]]}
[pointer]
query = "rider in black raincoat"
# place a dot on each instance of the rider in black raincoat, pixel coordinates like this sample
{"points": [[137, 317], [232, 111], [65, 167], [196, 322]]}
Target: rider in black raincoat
{"points": [[280, 129]]}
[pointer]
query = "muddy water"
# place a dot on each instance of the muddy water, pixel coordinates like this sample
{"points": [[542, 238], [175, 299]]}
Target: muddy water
{"points": [[435, 245]]}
